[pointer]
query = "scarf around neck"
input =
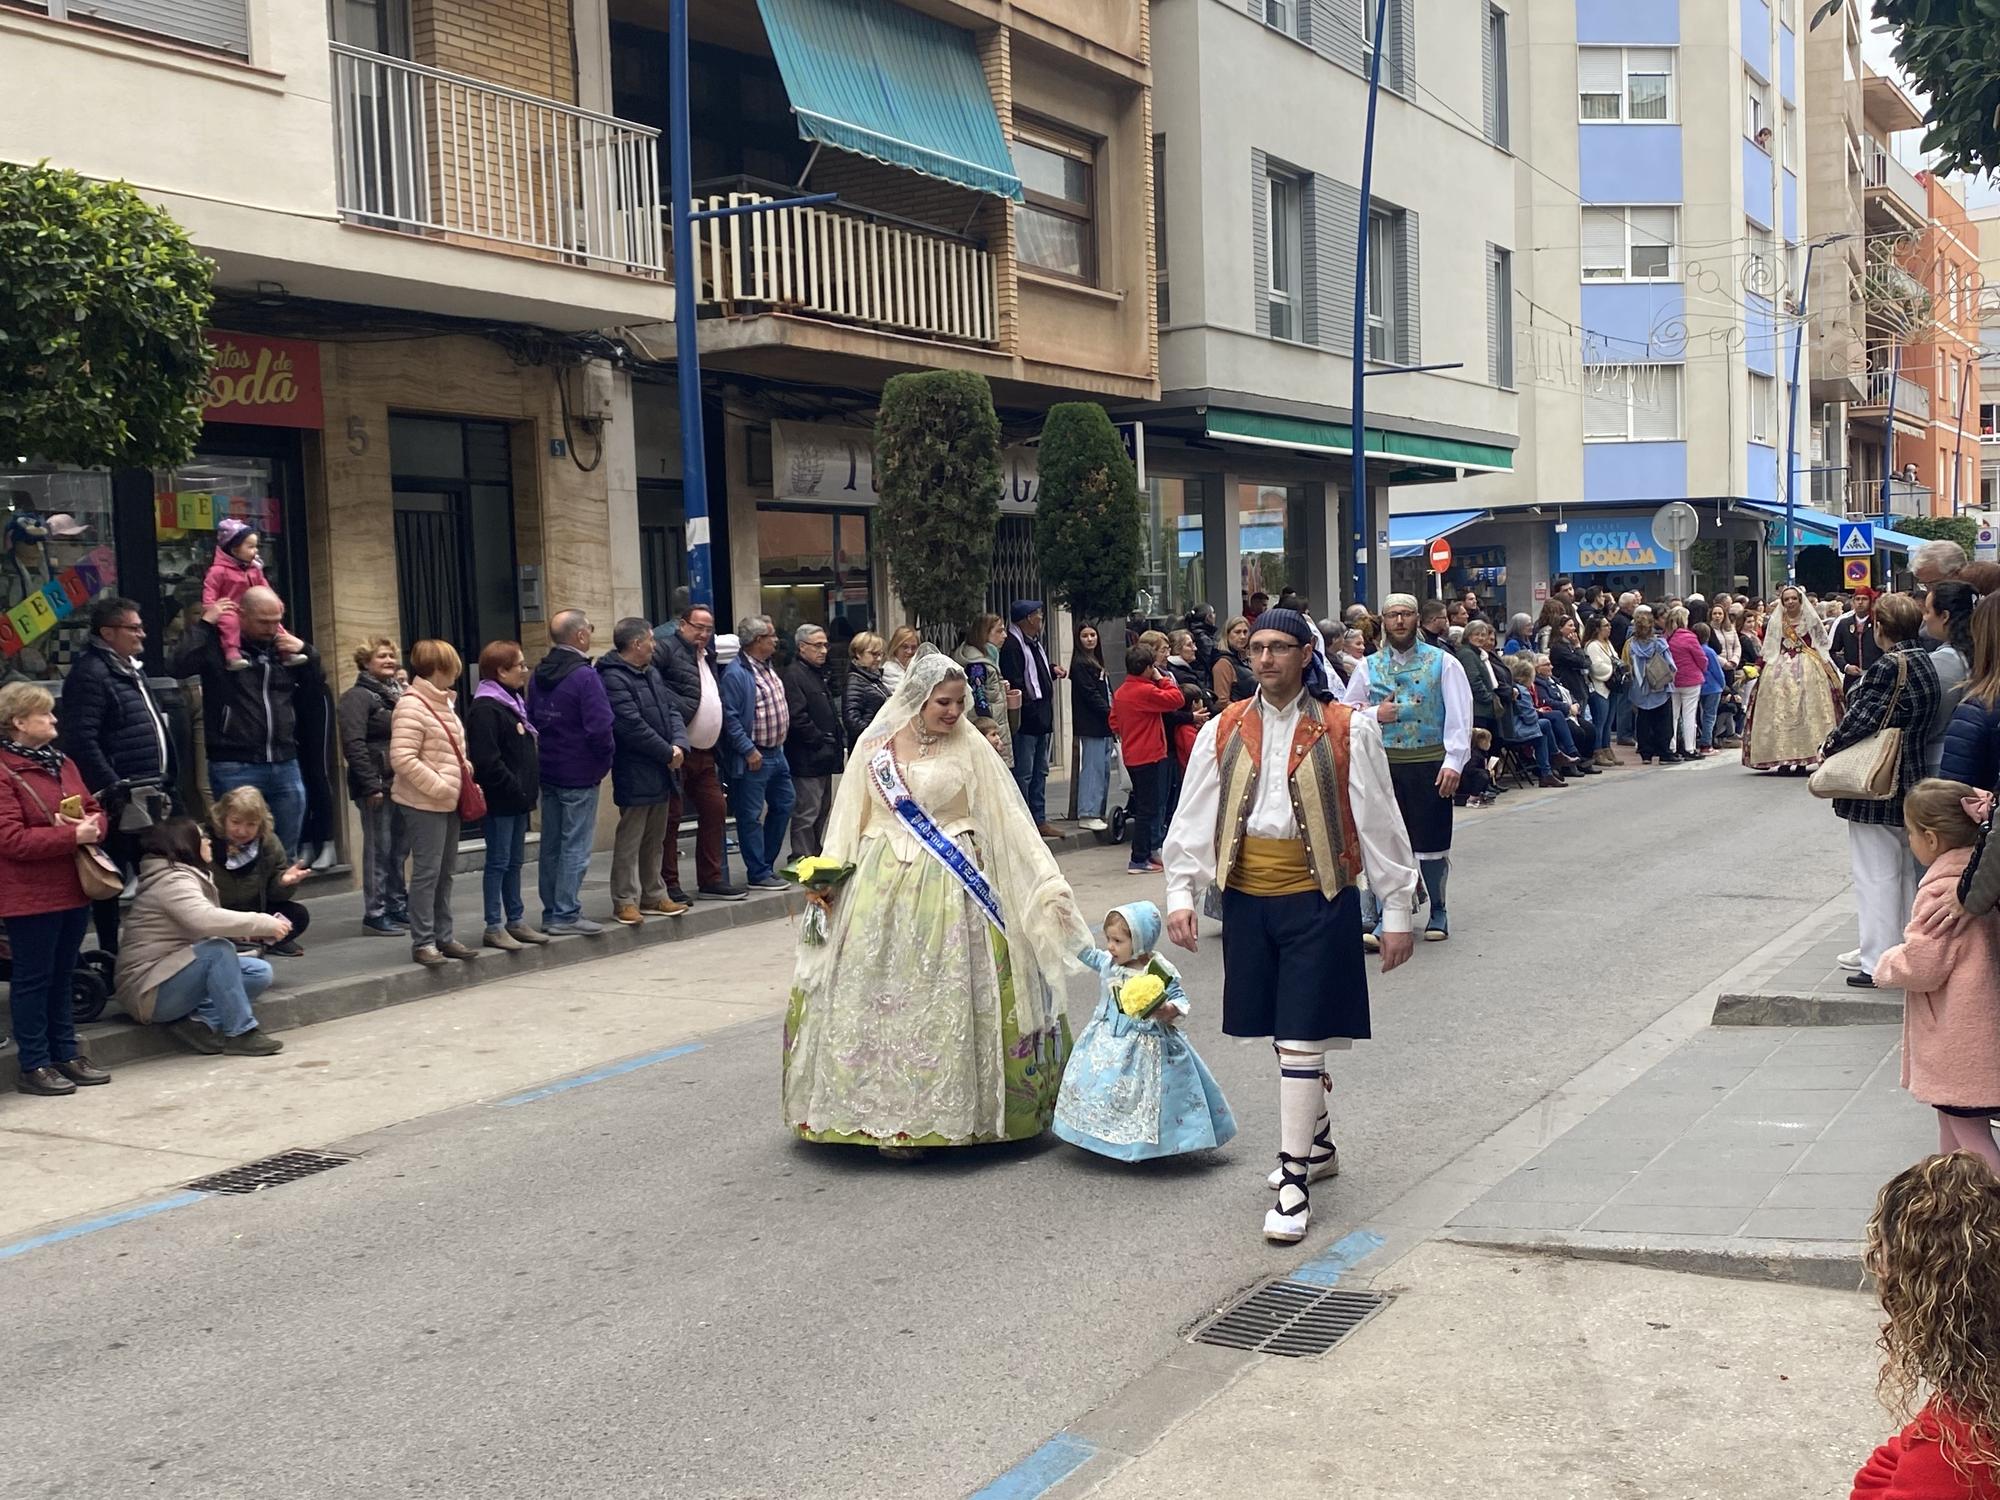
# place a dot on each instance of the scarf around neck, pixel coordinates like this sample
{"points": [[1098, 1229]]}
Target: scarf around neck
{"points": [[499, 692], [45, 757], [1031, 653]]}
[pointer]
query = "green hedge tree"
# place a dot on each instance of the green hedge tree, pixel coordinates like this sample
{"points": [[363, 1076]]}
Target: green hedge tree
{"points": [[1087, 519], [1961, 529], [102, 307], [1950, 50], [937, 445]]}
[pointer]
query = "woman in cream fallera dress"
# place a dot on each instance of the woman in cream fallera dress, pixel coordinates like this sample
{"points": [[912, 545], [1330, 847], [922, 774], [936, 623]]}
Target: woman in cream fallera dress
{"points": [[917, 1022], [1797, 699]]}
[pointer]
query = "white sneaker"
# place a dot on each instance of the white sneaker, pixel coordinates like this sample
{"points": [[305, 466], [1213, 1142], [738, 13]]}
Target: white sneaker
{"points": [[1851, 959], [1093, 825]]}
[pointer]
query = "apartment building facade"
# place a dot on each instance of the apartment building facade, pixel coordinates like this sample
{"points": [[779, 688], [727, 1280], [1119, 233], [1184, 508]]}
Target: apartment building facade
{"points": [[1986, 220], [1662, 207], [1009, 234], [1258, 119]]}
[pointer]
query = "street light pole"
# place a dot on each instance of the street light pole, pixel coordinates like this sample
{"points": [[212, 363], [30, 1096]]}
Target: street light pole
{"points": [[1792, 428], [1359, 474], [687, 356]]}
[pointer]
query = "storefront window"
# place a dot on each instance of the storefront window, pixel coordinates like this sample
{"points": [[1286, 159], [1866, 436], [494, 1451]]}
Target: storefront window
{"points": [[1174, 577], [813, 567], [189, 503], [1273, 540], [56, 555]]}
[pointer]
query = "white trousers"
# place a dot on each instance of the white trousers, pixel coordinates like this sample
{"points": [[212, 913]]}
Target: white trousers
{"points": [[1687, 718], [1885, 886]]}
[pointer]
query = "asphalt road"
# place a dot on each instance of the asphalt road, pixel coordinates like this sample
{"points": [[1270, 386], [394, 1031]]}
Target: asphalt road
{"points": [[644, 1288]]}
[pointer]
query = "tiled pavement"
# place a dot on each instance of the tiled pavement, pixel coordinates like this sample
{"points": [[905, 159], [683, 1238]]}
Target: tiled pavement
{"points": [[1750, 1149], [1800, 983]]}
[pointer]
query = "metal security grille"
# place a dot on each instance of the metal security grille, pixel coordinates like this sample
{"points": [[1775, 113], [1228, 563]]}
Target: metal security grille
{"points": [[272, 1171], [1016, 574], [1291, 1318]]}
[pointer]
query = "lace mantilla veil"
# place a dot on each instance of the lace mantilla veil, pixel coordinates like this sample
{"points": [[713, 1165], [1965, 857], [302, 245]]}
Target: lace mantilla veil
{"points": [[1045, 929]]}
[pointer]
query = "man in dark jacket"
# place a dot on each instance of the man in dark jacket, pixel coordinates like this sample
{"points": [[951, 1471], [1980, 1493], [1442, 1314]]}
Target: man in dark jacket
{"points": [[816, 746], [567, 705], [651, 741], [250, 717], [114, 731], [1854, 648], [1024, 662], [684, 653]]}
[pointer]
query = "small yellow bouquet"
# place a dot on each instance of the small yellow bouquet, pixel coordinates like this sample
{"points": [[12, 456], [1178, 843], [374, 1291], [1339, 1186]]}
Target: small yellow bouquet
{"points": [[818, 877], [1144, 992]]}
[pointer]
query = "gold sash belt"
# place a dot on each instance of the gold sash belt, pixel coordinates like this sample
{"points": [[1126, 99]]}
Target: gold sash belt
{"points": [[1271, 867]]}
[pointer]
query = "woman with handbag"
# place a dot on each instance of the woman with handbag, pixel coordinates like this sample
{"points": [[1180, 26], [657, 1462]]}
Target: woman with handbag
{"points": [[1874, 755], [49, 826], [1797, 698], [1608, 678], [436, 790], [1651, 663]]}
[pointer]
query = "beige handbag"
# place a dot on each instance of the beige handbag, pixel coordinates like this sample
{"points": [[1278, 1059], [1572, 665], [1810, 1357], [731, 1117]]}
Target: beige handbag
{"points": [[1867, 770]]}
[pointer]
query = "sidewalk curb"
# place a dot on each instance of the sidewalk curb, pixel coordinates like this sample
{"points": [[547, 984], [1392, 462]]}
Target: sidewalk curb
{"points": [[1807, 1010], [116, 1042], [1832, 1264]]}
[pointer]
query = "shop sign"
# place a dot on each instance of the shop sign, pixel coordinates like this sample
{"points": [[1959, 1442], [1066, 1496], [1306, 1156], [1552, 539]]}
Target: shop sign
{"points": [[262, 381], [1607, 547], [58, 599], [826, 464]]}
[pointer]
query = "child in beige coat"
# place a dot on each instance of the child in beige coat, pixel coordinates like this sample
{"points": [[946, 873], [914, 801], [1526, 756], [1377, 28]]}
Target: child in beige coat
{"points": [[1950, 980]]}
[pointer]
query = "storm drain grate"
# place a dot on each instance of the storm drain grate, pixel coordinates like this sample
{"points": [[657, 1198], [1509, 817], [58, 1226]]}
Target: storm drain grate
{"points": [[1292, 1318], [272, 1171]]}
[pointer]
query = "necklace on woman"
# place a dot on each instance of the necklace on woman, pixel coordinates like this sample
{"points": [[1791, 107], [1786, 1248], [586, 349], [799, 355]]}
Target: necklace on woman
{"points": [[926, 741]]}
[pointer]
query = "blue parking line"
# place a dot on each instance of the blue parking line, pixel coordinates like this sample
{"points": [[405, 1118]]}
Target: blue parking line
{"points": [[108, 1221], [1326, 1268], [630, 1064], [1042, 1470]]}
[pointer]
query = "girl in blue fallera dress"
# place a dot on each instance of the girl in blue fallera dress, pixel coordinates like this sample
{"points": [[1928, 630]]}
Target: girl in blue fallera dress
{"points": [[1136, 1089]]}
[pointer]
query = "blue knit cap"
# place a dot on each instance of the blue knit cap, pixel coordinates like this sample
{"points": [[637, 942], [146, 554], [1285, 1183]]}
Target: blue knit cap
{"points": [[1290, 621], [1022, 608]]}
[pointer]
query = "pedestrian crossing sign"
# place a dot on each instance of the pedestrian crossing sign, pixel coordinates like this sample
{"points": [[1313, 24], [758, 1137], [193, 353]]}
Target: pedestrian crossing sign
{"points": [[1857, 539]]}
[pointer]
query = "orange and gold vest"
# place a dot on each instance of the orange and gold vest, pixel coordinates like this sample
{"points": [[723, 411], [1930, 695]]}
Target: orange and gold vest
{"points": [[1319, 792]]}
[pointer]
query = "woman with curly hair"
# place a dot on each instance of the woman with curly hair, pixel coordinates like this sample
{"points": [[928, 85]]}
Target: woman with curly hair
{"points": [[1934, 1251]]}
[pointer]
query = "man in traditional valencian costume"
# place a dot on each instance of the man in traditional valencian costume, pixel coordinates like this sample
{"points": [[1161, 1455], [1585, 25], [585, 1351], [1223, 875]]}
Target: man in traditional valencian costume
{"points": [[1420, 697], [1286, 801]]}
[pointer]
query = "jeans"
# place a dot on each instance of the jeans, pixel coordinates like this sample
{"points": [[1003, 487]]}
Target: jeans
{"points": [[1143, 812], [1557, 725], [1537, 747], [433, 857], [283, 788], [216, 989], [38, 995], [1093, 778], [1710, 702], [385, 850], [1600, 718], [1624, 715], [762, 802], [506, 851], [569, 823], [1031, 772]]}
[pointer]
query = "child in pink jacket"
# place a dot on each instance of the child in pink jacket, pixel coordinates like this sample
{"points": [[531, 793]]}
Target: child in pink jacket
{"points": [[236, 570], [1950, 981]]}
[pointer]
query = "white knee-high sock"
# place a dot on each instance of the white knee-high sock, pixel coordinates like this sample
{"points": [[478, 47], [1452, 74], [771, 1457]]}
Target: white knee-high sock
{"points": [[1301, 1098]]}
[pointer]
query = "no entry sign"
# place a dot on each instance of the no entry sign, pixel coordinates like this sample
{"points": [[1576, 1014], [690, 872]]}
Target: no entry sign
{"points": [[1440, 556]]}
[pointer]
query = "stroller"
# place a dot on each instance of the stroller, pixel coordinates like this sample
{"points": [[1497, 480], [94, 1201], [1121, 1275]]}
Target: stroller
{"points": [[140, 802]]}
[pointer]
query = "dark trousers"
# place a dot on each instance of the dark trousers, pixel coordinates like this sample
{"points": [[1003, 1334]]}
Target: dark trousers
{"points": [[700, 784], [38, 994], [1143, 810], [1656, 730]]}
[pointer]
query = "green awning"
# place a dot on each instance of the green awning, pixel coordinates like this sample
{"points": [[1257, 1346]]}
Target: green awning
{"points": [[873, 78], [1330, 439]]}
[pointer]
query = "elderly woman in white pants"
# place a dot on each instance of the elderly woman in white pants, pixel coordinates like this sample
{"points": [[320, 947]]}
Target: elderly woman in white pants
{"points": [[1900, 691]]}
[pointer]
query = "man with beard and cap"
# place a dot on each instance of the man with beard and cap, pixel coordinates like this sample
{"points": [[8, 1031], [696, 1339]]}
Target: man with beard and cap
{"points": [[1286, 802], [1420, 696]]}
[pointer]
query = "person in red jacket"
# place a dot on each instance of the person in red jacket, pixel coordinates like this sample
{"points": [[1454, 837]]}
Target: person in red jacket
{"points": [[45, 815], [1138, 717], [1934, 1251]]}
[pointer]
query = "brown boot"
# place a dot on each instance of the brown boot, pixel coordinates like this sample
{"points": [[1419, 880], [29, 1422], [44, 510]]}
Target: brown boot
{"points": [[1552, 781], [521, 932], [458, 951], [498, 937]]}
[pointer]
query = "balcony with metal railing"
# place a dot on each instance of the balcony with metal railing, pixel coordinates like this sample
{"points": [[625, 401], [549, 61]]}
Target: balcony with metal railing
{"points": [[1906, 498], [1893, 188], [1913, 400], [844, 264], [438, 154]]}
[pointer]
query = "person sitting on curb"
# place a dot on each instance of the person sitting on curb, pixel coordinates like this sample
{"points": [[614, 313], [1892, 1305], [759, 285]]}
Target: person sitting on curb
{"points": [[177, 961], [249, 866]]}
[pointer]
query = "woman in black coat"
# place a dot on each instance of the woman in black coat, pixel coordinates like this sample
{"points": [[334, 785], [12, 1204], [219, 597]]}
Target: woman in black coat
{"points": [[501, 743], [1090, 697], [363, 714], [866, 691]]}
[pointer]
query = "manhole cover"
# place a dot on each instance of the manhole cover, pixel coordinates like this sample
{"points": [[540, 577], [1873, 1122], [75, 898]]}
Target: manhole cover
{"points": [[272, 1171], [1292, 1319]]}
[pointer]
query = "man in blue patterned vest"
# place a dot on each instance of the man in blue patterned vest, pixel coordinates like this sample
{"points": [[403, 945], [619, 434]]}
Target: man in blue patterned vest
{"points": [[1424, 704]]}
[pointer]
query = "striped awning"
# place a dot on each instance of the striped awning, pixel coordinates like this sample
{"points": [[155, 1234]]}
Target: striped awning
{"points": [[871, 77]]}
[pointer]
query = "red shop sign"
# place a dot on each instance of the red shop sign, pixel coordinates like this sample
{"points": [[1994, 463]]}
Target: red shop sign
{"points": [[267, 382]]}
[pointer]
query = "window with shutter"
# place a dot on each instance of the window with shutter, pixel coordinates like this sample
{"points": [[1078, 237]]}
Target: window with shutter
{"points": [[1607, 400], [1649, 80], [1763, 408], [1493, 76], [1603, 244], [1600, 82], [1260, 240], [1284, 289], [1383, 293], [1653, 234], [1636, 243], [1656, 403], [221, 24], [1409, 289], [1634, 84], [1500, 316], [1632, 403]]}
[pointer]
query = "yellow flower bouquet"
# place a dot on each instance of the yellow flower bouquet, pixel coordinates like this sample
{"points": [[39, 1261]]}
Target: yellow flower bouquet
{"points": [[818, 877], [1143, 993]]}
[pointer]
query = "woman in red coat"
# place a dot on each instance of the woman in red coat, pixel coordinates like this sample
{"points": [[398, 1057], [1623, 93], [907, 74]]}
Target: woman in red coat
{"points": [[1934, 1251], [41, 899]]}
